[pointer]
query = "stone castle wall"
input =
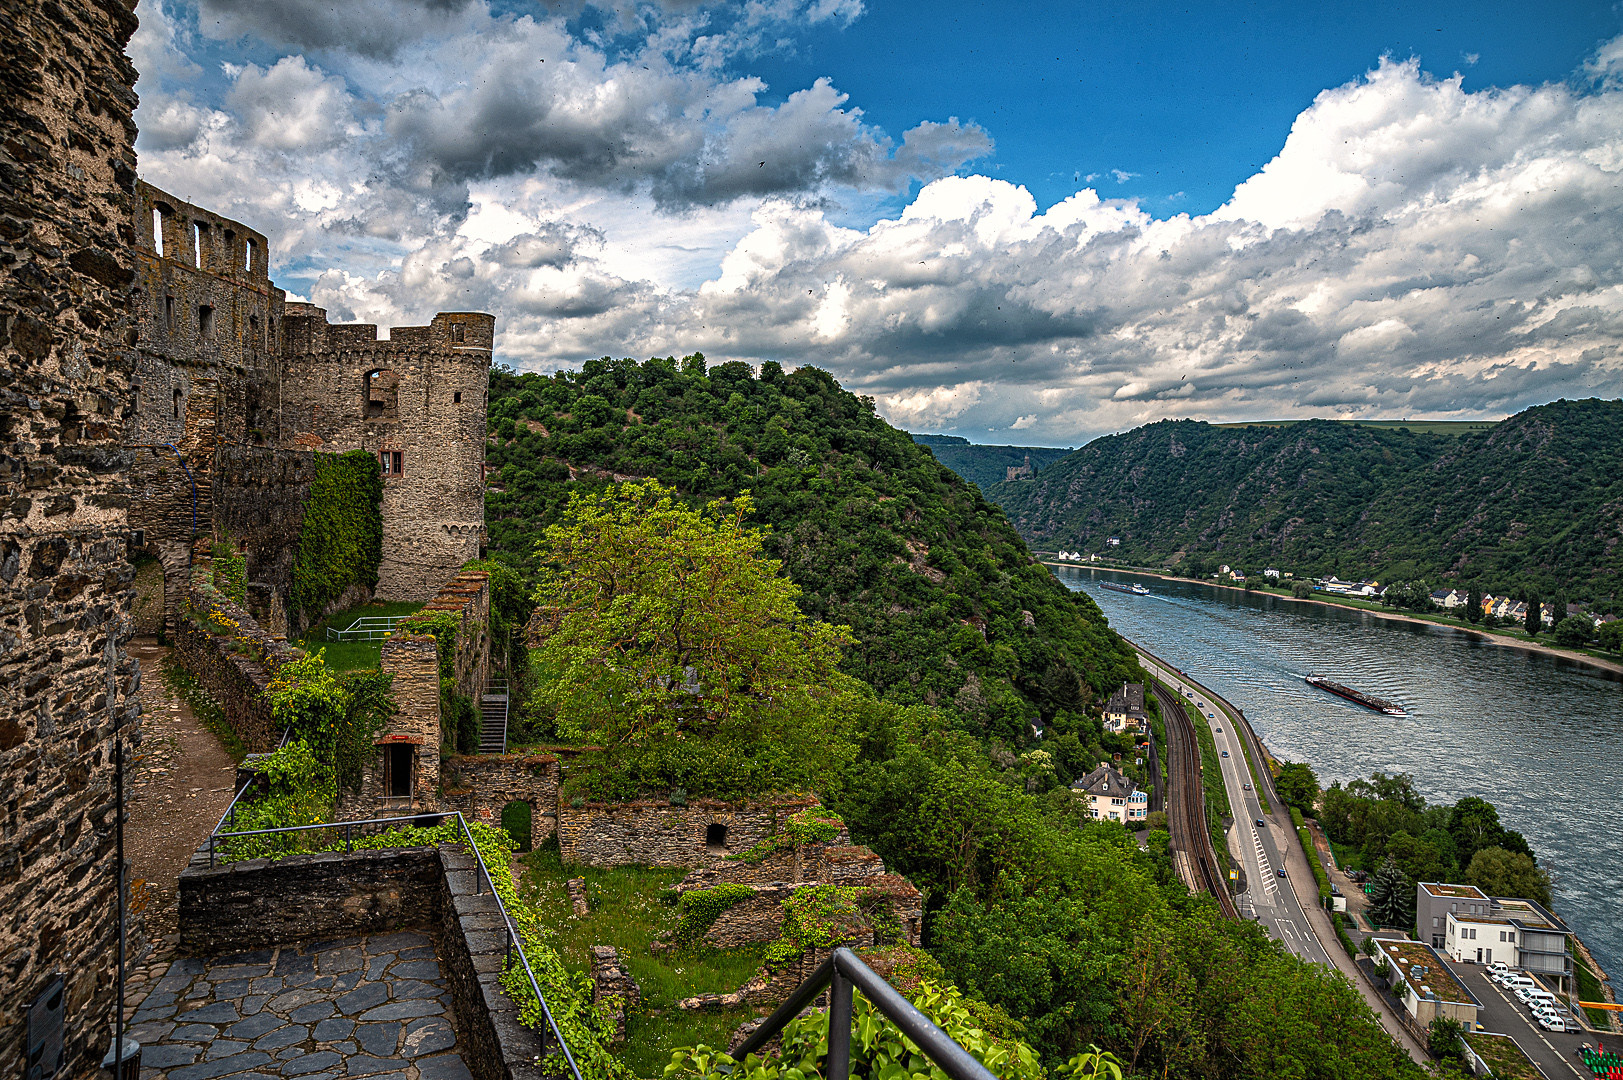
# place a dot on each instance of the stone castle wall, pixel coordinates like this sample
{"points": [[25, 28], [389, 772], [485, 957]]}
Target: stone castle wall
{"points": [[467, 597], [422, 394], [660, 833], [481, 785], [258, 495], [67, 172], [413, 660]]}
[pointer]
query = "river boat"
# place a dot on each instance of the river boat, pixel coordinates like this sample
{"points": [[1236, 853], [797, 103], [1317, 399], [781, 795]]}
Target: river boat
{"points": [[1116, 586], [1380, 705]]}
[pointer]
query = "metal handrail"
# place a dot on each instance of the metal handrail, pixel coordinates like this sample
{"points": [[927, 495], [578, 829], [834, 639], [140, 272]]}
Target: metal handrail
{"points": [[513, 939], [231, 809], [369, 627], [844, 971]]}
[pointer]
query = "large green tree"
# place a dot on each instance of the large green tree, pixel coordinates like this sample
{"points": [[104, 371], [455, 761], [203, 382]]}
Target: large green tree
{"points": [[1391, 896], [1498, 872], [1298, 786], [665, 625]]}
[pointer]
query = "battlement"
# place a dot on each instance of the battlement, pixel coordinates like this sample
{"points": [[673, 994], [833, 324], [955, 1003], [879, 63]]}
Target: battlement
{"points": [[306, 332], [179, 232]]}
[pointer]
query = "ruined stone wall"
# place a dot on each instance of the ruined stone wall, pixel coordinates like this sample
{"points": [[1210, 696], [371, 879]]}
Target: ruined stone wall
{"points": [[207, 320], [422, 394], [259, 495], [660, 833], [67, 170], [482, 784], [413, 660], [467, 598]]}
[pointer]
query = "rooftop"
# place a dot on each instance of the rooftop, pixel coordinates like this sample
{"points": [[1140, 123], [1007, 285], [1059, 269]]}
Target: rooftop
{"points": [[1423, 969], [1461, 892], [1105, 781], [1527, 913]]}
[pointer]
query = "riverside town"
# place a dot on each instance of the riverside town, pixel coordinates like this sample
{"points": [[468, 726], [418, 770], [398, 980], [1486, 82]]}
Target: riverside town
{"points": [[394, 683]]}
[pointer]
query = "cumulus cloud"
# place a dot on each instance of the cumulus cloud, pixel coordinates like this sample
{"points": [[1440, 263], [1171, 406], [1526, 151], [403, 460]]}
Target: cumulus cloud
{"points": [[1412, 249]]}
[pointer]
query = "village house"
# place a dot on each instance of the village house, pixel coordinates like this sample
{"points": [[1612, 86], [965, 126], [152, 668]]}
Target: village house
{"points": [[1125, 709], [1111, 796]]}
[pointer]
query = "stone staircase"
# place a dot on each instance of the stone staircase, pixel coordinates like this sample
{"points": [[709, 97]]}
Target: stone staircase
{"points": [[493, 719]]}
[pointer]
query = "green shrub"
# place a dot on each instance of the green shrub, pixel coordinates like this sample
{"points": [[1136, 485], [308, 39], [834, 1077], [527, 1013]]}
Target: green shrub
{"points": [[341, 536], [813, 825], [298, 791], [700, 908], [230, 571]]}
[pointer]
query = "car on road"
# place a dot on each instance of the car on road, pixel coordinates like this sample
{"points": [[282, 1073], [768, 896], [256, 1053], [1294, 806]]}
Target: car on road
{"points": [[1247, 787], [1210, 716], [1225, 753], [1261, 824], [1282, 873], [1220, 731]]}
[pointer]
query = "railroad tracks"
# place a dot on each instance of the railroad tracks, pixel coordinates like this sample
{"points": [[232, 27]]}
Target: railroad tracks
{"points": [[1186, 801]]}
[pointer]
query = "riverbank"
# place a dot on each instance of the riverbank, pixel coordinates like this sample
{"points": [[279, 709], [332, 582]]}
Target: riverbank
{"points": [[1504, 640]]}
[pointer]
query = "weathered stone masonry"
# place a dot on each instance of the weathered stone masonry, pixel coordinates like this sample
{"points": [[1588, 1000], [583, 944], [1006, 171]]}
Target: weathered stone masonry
{"points": [[67, 171], [655, 832]]}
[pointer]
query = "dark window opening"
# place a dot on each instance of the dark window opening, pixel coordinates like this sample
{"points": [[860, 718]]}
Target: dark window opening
{"points": [[456, 398], [177, 404], [398, 765], [169, 314], [205, 322], [382, 395], [715, 835], [253, 330], [456, 333], [391, 462]]}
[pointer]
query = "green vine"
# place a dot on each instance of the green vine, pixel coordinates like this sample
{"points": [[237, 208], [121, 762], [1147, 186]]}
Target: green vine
{"points": [[341, 537], [230, 571], [813, 825], [823, 916], [700, 908], [298, 791]]}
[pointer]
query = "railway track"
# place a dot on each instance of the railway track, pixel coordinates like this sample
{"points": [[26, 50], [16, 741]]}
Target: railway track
{"points": [[1186, 800]]}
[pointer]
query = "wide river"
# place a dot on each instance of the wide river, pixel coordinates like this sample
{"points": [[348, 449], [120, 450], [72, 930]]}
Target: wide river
{"points": [[1538, 736]]}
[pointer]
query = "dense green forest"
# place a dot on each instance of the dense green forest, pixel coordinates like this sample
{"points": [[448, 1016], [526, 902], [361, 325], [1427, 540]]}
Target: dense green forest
{"points": [[1072, 932], [985, 465], [947, 605], [1533, 503]]}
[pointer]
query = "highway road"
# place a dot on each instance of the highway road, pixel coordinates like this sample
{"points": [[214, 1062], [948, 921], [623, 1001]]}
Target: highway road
{"points": [[1267, 897]]}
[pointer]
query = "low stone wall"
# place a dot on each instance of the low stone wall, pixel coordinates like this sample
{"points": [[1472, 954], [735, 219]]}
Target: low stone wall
{"points": [[483, 784], [660, 833], [259, 903], [233, 666]]}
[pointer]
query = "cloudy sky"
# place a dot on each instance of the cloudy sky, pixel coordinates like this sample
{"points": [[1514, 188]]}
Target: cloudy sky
{"points": [[1014, 222]]}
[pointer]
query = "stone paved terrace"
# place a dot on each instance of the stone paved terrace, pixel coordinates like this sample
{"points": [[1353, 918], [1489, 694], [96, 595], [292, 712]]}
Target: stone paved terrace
{"points": [[366, 1006]]}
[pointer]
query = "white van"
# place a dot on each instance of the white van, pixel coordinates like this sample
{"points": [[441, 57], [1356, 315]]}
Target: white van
{"points": [[1551, 1022], [1517, 982], [1497, 970]]}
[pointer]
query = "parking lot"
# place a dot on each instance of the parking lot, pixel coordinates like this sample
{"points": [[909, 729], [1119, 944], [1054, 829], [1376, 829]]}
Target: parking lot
{"points": [[1556, 1054]]}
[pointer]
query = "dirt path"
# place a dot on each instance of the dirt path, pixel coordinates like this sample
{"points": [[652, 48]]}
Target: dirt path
{"points": [[180, 784]]}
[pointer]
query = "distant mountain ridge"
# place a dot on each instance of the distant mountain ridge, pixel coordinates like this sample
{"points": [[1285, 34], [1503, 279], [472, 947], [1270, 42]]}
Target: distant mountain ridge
{"points": [[1536, 501], [982, 465]]}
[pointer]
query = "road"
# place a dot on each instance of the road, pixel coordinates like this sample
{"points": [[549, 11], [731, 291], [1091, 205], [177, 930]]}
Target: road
{"points": [[1274, 902]]}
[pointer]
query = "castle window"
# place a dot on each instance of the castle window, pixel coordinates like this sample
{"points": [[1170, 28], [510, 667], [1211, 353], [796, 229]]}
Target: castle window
{"points": [[456, 398], [197, 243], [391, 462], [177, 404], [205, 322], [456, 333], [382, 395], [169, 314], [715, 835], [253, 331], [247, 254], [157, 231]]}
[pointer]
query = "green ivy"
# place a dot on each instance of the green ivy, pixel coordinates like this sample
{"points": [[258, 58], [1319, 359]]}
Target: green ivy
{"points": [[341, 537], [337, 714], [822, 916], [700, 908], [879, 1050], [298, 791], [813, 825], [230, 571]]}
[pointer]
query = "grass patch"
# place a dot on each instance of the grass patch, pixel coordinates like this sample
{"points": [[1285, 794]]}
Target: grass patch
{"points": [[1589, 989], [184, 685], [1501, 1054], [629, 911], [353, 655]]}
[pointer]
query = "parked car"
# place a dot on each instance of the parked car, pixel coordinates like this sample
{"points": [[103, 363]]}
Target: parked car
{"points": [[1552, 1023], [1498, 969]]}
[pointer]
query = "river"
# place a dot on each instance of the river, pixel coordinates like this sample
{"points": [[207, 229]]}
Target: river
{"points": [[1538, 736]]}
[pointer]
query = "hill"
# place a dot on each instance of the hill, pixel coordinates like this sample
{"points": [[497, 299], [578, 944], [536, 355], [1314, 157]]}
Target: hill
{"points": [[947, 604], [983, 465], [1535, 501]]}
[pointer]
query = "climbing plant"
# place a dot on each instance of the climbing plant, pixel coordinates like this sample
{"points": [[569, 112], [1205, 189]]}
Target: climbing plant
{"points": [[336, 714], [230, 571], [297, 790], [700, 908], [813, 825], [459, 719], [341, 537]]}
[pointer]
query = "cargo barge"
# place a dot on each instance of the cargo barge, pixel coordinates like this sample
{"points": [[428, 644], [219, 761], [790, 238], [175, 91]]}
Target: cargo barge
{"points": [[1380, 705], [1116, 586]]}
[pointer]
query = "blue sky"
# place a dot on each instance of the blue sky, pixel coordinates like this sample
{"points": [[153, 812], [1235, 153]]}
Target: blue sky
{"points": [[1014, 222]]}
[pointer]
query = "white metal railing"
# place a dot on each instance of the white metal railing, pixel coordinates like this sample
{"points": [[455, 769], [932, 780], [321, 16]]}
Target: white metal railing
{"points": [[369, 628]]}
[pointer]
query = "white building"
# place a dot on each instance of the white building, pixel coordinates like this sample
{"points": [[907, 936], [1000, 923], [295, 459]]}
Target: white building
{"points": [[1271, 573], [1111, 796]]}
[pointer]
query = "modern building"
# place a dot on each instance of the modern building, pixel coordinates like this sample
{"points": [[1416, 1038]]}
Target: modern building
{"points": [[1435, 901], [1125, 709], [1474, 928], [1422, 982], [1111, 796]]}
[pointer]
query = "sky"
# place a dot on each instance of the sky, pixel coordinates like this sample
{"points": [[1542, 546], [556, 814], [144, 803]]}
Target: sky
{"points": [[1020, 223]]}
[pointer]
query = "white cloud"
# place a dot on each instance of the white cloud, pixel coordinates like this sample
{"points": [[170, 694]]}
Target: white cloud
{"points": [[1412, 249]]}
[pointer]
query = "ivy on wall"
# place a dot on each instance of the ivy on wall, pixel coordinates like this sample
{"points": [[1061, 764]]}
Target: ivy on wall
{"points": [[230, 571], [341, 538]]}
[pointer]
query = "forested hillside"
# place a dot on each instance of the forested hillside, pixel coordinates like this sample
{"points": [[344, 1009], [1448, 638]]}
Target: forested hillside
{"points": [[984, 465], [947, 605], [1534, 502]]}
